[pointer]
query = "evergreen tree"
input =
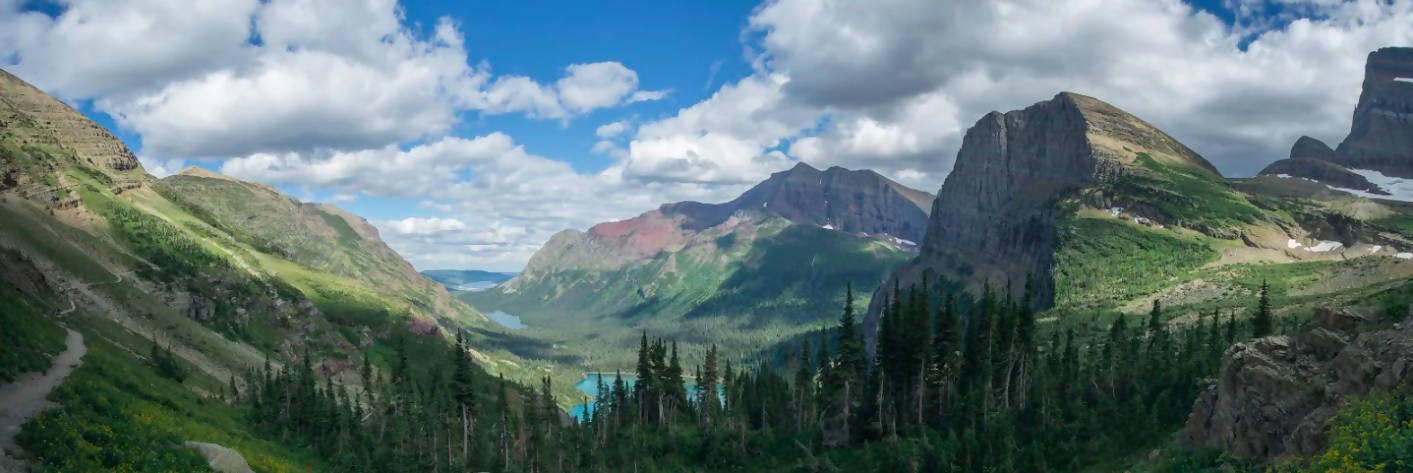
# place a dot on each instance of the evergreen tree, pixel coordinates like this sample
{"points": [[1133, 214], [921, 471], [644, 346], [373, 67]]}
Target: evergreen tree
{"points": [[464, 394], [1261, 323], [804, 389]]}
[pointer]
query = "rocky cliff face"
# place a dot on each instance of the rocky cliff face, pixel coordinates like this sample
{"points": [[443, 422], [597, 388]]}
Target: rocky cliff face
{"points": [[1275, 396], [1382, 136], [994, 219], [34, 118]]}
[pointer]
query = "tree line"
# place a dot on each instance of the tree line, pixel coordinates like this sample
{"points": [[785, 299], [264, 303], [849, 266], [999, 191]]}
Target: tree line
{"points": [[955, 382]]}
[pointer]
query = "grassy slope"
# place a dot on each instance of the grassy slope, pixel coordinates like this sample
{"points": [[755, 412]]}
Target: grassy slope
{"points": [[123, 253], [1105, 266]]}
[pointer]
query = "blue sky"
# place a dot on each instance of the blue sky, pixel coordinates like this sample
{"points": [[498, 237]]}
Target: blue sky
{"points": [[469, 132]]}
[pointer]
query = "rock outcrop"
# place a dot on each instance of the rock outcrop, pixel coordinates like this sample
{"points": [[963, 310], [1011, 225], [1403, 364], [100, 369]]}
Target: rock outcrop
{"points": [[994, 219], [34, 117], [1381, 137], [1311, 148], [220, 458], [1275, 396]]}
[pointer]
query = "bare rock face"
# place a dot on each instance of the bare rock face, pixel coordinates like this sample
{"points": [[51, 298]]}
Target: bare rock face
{"points": [[1382, 135], [1311, 148], [1275, 396], [994, 219], [36, 118], [855, 201]]}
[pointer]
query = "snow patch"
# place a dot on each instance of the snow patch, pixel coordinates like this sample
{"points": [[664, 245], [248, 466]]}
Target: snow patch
{"points": [[1400, 189], [1115, 211], [1288, 176], [1375, 249], [827, 227], [1404, 256], [1292, 244], [900, 241], [1325, 246]]}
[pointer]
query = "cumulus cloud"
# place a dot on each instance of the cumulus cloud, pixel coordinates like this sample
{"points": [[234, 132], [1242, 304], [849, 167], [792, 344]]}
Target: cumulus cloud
{"points": [[893, 84], [332, 95], [610, 130], [222, 79]]}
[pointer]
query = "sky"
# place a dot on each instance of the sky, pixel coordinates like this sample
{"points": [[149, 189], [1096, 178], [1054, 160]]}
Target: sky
{"points": [[469, 132]]}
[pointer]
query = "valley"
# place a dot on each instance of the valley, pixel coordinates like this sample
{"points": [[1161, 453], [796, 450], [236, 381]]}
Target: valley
{"points": [[1085, 292]]}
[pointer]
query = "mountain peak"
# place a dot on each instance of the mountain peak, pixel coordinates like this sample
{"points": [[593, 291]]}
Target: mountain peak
{"points": [[994, 216], [855, 201], [803, 167], [1381, 137]]}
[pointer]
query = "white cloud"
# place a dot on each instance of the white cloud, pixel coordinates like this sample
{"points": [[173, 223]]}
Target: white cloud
{"points": [[421, 226], [106, 47], [892, 85], [499, 203], [610, 130], [334, 91], [601, 84], [320, 74]]}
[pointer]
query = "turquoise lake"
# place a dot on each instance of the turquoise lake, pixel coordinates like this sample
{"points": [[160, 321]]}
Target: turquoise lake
{"points": [[590, 385]]}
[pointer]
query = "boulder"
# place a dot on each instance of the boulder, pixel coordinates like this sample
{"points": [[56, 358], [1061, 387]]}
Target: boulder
{"points": [[220, 458]]}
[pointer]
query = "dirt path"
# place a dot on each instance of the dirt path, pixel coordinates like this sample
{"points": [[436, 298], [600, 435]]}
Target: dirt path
{"points": [[25, 397]]}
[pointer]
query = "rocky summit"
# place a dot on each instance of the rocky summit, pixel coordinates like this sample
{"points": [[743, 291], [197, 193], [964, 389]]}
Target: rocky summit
{"points": [[1382, 135], [1380, 139], [994, 219], [854, 201]]}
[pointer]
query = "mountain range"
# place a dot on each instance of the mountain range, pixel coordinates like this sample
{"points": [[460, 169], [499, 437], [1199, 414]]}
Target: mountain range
{"points": [[772, 263], [467, 279], [174, 296]]}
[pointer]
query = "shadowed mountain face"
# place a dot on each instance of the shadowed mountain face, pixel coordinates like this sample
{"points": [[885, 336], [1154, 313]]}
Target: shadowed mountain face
{"points": [[852, 201], [994, 219], [1382, 135]]}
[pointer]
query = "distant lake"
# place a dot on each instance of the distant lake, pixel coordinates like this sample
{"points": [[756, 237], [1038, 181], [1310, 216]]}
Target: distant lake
{"points": [[477, 286], [506, 320], [590, 386]]}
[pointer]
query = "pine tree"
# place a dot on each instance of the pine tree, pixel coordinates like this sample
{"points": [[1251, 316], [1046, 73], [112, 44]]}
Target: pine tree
{"points": [[804, 388], [464, 394], [707, 382], [1231, 328], [1261, 323], [852, 361], [644, 382], [943, 365], [503, 426]]}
